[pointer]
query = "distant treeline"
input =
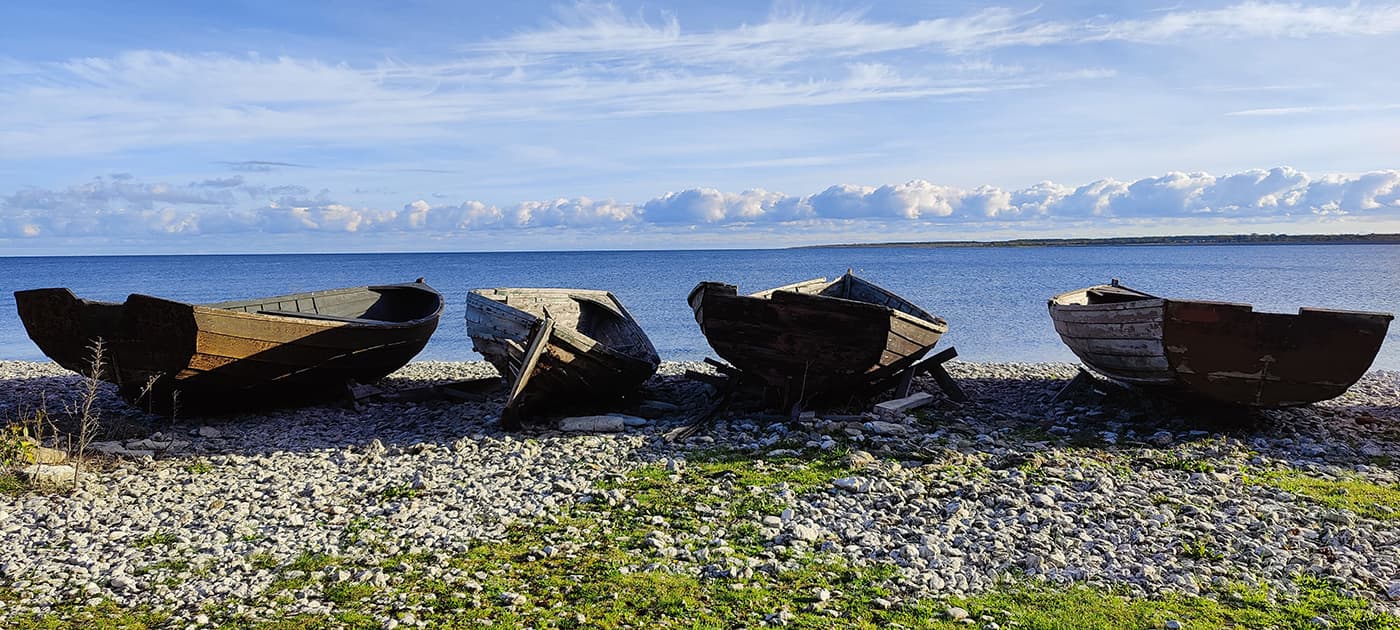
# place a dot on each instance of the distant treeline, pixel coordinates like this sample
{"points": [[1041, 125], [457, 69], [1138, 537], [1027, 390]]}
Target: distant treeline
{"points": [[1221, 239]]}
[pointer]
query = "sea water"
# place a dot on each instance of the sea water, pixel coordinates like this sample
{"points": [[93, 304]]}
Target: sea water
{"points": [[993, 298]]}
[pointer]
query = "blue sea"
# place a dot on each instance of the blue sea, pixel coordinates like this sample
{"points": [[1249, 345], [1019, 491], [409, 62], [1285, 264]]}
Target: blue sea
{"points": [[993, 298]]}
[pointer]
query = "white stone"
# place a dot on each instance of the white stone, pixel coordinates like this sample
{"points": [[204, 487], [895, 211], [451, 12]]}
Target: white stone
{"points": [[955, 613], [880, 427], [806, 533], [852, 484]]}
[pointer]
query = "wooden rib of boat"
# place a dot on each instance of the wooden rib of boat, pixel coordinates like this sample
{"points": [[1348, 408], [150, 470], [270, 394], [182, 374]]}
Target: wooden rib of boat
{"points": [[816, 338], [1218, 351], [162, 353], [556, 346]]}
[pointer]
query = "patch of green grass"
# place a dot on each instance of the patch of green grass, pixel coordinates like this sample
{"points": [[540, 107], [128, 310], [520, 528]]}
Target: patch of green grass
{"points": [[347, 592], [1200, 549], [107, 615], [156, 539], [1235, 607], [198, 467], [12, 485], [395, 493], [173, 565], [312, 562], [263, 561], [1187, 464], [1348, 493]]}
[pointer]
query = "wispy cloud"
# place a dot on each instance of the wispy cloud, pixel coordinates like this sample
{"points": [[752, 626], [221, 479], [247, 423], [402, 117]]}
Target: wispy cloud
{"points": [[260, 166], [1313, 109], [110, 207], [593, 61]]}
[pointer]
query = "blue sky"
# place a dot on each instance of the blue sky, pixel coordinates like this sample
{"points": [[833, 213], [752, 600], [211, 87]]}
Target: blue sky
{"points": [[402, 126]]}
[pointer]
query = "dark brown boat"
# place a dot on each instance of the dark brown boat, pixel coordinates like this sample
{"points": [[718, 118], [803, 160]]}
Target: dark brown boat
{"points": [[558, 346], [1219, 351], [164, 354], [816, 338]]}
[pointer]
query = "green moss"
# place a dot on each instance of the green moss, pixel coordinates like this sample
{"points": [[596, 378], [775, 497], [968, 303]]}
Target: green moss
{"points": [[1348, 493]]}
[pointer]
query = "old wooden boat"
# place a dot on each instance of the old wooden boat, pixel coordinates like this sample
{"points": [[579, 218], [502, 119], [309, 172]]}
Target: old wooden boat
{"points": [[816, 339], [1219, 351], [558, 346], [164, 354]]}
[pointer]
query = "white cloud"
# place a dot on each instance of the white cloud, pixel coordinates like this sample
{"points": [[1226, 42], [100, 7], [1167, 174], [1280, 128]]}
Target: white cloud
{"points": [[118, 206]]}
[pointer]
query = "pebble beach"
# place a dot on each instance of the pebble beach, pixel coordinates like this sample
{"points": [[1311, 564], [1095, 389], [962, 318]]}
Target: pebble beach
{"points": [[206, 518]]}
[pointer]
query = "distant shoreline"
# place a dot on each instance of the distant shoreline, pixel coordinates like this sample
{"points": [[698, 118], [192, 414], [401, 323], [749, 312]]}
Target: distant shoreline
{"points": [[1219, 239]]}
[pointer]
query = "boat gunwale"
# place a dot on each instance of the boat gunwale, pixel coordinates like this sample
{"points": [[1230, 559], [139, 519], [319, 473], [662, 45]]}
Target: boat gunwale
{"points": [[338, 322], [936, 324]]}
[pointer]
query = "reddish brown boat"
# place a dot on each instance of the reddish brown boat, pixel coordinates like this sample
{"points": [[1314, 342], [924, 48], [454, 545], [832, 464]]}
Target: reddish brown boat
{"points": [[161, 353], [1220, 351], [816, 338]]}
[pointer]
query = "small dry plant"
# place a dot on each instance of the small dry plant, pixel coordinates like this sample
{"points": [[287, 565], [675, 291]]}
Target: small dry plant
{"points": [[82, 411]]}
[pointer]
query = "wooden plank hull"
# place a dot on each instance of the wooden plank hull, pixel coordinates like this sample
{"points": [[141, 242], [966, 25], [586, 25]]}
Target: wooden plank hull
{"points": [[816, 338], [162, 353], [1220, 351], [593, 350]]}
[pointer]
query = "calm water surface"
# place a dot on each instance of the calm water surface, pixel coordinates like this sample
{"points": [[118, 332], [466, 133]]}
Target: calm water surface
{"points": [[993, 298]]}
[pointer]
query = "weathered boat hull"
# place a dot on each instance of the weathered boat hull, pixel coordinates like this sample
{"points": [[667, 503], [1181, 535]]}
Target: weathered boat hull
{"points": [[1219, 351], [164, 354], [816, 339], [556, 346]]}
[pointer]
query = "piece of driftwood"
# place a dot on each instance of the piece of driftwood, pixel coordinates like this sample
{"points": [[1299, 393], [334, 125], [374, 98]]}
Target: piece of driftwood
{"points": [[261, 351], [815, 339], [558, 346], [900, 405], [1218, 351]]}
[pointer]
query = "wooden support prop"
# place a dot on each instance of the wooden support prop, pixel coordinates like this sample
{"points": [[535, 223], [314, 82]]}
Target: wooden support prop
{"points": [[539, 341], [947, 384], [709, 379], [722, 367], [1083, 377], [934, 365], [707, 418], [360, 392]]}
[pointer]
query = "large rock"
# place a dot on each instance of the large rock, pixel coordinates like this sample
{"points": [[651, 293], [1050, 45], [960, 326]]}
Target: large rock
{"points": [[45, 474], [592, 424], [45, 455]]}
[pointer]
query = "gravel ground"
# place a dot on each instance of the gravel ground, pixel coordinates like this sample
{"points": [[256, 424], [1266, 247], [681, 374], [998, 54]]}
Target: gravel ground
{"points": [[1102, 487]]}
